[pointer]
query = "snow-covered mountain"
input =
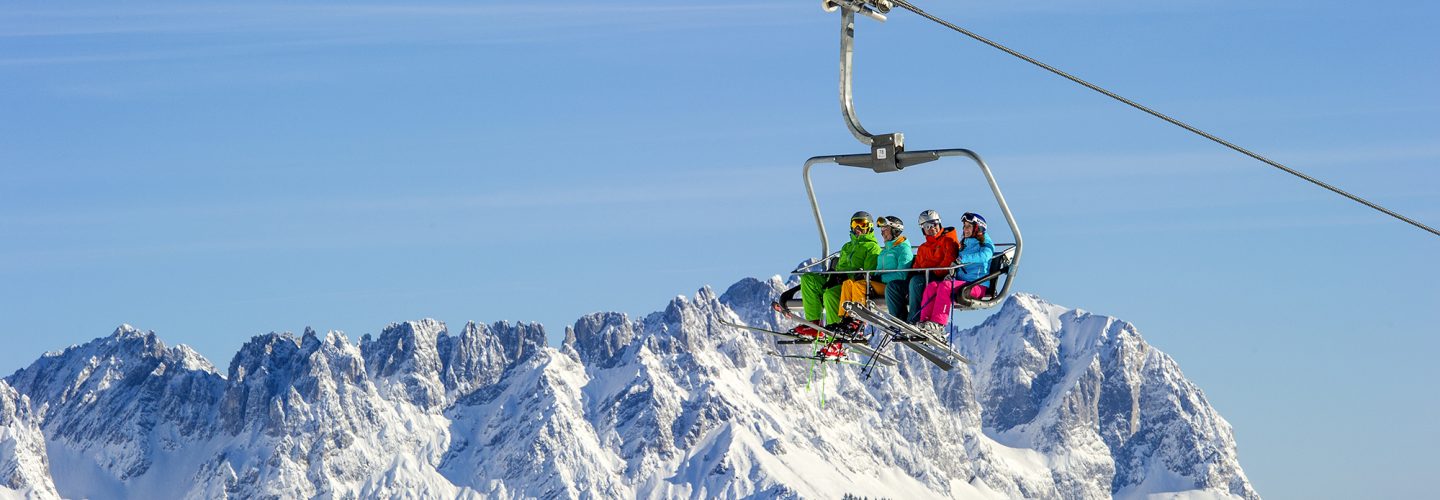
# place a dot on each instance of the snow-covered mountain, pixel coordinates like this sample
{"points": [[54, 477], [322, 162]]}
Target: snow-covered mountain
{"points": [[1059, 403], [24, 470]]}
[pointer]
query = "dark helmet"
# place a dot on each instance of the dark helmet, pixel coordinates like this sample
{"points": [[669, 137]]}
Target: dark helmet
{"points": [[861, 223], [975, 219]]}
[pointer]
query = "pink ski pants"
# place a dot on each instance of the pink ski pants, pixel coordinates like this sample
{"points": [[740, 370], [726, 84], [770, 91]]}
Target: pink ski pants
{"points": [[935, 304]]}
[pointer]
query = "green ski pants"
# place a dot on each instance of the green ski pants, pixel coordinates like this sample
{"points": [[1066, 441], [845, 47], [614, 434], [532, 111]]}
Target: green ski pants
{"points": [[814, 294]]}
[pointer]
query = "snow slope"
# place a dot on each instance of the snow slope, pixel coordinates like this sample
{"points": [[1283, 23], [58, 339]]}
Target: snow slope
{"points": [[1060, 403], [24, 467]]}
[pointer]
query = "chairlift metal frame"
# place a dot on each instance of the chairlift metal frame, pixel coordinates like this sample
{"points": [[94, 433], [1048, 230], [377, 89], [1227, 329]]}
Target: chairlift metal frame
{"points": [[887, 154]]}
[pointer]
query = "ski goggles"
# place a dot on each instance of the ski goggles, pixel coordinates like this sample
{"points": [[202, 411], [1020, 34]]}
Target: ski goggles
{"points": [[929, 225], [859, 224]]}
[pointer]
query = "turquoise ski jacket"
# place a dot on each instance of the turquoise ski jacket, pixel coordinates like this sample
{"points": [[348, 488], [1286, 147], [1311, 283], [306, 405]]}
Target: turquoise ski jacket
{"points": [[975, 257], [897, 254]]}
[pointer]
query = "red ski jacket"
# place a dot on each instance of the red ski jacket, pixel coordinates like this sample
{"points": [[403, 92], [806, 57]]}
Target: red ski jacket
{"points": [[939, 251]]}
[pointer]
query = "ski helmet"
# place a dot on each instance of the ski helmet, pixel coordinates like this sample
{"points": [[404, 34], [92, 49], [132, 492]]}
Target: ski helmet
{"points": [[975, 219], [860, 223], [929, 217], [892, 222]]}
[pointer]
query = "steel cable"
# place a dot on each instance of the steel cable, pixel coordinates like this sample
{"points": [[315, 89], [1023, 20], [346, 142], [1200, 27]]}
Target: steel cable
{"points": [[912, 8]]}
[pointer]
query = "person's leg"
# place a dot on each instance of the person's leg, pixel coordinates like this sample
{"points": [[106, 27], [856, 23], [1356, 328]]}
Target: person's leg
{"points": [[812, 286], [928, 300], [897, 297], [917, 292], [978, 291], [939, 306], [851, 291], [832, 305]]}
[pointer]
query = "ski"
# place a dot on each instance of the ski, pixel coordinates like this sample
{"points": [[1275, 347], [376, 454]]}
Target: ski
{"points": [[798, 340], [894, 336], [924, 352], [817, 357], [895, 327], [790, 315]]}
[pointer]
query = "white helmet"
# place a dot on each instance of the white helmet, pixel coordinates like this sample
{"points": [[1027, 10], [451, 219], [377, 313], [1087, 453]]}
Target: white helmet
{"points": [[893, 223], [929, 217]]}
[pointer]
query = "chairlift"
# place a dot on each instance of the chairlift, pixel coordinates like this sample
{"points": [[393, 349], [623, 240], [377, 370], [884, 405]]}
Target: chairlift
{"points": [[888, 155]]}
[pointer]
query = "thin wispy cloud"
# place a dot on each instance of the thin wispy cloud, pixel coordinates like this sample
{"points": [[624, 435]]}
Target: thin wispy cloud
{"points": [[694, 186], [195, 32], [339, 222], [197, 52], [387, 18], [384, 10]]}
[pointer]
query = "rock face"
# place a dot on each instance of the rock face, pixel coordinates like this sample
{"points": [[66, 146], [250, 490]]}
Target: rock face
{"points": [[1060, 403], [1089, 391], [24, 468]]}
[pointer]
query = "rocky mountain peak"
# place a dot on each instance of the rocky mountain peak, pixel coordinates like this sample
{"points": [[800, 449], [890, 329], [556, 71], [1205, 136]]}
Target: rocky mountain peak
{"points": [[1059, 403], [600, 338], [520, 341], [24, 466], [408, 347]]}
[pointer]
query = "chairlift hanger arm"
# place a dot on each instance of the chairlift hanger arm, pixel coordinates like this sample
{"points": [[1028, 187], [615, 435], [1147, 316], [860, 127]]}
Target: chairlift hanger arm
{"points": [[847, 102], [885, 149]]}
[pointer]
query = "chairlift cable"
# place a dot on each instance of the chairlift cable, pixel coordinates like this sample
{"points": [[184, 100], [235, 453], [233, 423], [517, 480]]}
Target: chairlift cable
{"points": [[912, 8]]}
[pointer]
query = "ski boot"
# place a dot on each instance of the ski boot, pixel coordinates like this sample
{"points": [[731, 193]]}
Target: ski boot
{"points": [[833, 351], [849, 329], [932, 328], [805, 331]]}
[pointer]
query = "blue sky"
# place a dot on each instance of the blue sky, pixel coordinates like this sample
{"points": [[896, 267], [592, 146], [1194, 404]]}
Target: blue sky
{"points": [[214, 171]]}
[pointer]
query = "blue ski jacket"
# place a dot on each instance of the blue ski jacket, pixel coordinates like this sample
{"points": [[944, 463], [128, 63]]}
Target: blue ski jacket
{"points": [[975, 256], [897, 254]]}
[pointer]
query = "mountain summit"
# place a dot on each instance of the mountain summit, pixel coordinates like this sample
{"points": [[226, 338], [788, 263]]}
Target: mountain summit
{"points": [[1059, 403]]}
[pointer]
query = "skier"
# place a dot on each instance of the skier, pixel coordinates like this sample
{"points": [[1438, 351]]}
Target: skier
{"points": [[976, 250], [896, 254], [821, 292], [974, 255], [939, 250]]}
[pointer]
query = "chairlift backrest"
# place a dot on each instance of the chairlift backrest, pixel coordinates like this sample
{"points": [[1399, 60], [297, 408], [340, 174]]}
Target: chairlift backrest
{"points": [[999, 264]]}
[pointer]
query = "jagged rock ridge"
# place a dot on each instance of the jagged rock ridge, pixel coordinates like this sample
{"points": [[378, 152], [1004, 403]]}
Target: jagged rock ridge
{"points": [[24, 468], [1060, 403]]}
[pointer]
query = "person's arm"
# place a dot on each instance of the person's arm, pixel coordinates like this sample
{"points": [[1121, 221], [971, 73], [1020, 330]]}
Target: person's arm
{"points": [[976, 254], [954, 254], [872, 261], [846, 262]]}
